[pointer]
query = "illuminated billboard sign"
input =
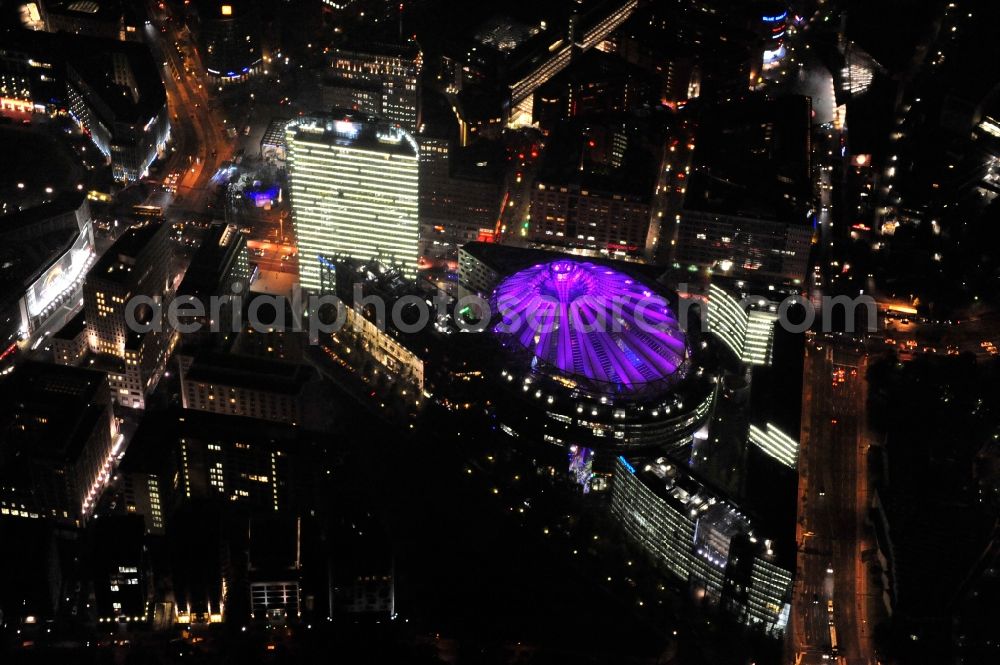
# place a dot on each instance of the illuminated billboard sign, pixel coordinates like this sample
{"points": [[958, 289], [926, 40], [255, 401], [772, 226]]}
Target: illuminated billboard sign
{"points": [[62, 277]]}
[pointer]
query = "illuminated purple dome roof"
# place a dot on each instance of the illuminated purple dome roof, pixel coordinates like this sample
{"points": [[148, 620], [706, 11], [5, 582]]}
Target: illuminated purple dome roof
{"points": [[590, 322]]}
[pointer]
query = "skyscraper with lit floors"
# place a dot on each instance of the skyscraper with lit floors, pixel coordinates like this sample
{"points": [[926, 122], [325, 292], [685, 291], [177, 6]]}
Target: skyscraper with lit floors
{"points": [[353, 187]]}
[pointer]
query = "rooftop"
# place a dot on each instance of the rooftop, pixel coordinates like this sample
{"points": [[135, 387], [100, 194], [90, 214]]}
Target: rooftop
{"points": [[250, 372], [752, 160], [210, 263], [504, 33], [719, 520], [35, 160], [49, 410], [72, 328], [506, 260], [407, 50], [92, 10], [274, 134], [62, 203], [577, 154], [123, 74], [590, 321], [116, 264], [351, 129]]}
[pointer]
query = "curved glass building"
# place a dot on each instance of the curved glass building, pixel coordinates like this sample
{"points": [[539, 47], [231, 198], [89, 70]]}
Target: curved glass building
{"points": [[591, 323], [595, 358]]}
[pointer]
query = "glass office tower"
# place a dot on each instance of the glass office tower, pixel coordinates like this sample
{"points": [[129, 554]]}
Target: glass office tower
{"points": [[353, 186]]}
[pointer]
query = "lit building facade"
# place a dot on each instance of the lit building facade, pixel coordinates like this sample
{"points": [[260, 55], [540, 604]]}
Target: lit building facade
{"points": [[702, 539], [745, 326], [234, 385], [577, 216], [125, 114], [237, 466], [60, 439], [15, 81], [385, 349], [773, 27], [229, 33], [137, 265], [47, 252], [122, 587], [775, 443], [611, 370], [456, 206], [477, 273], [382, 80], [135, 374], [143, 496], [69, 344], [219, 269], [275, 568], [354, 193], [746, 245]]}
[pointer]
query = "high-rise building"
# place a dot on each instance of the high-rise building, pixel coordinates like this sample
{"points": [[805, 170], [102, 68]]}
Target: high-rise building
{"points": [[69, 343], [745, 325], [705, 540], [460, 195], [571, 215], [58, 440], [115, 94], [749, 193], [111, 88], [122, 586], [244, 386], [45, 251], [137, 265], [594, 190], [110, 20], [229, 33], [244, 461], [381, 80], [354, 190], [141, 494], [219, 269], [275, 568]]}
